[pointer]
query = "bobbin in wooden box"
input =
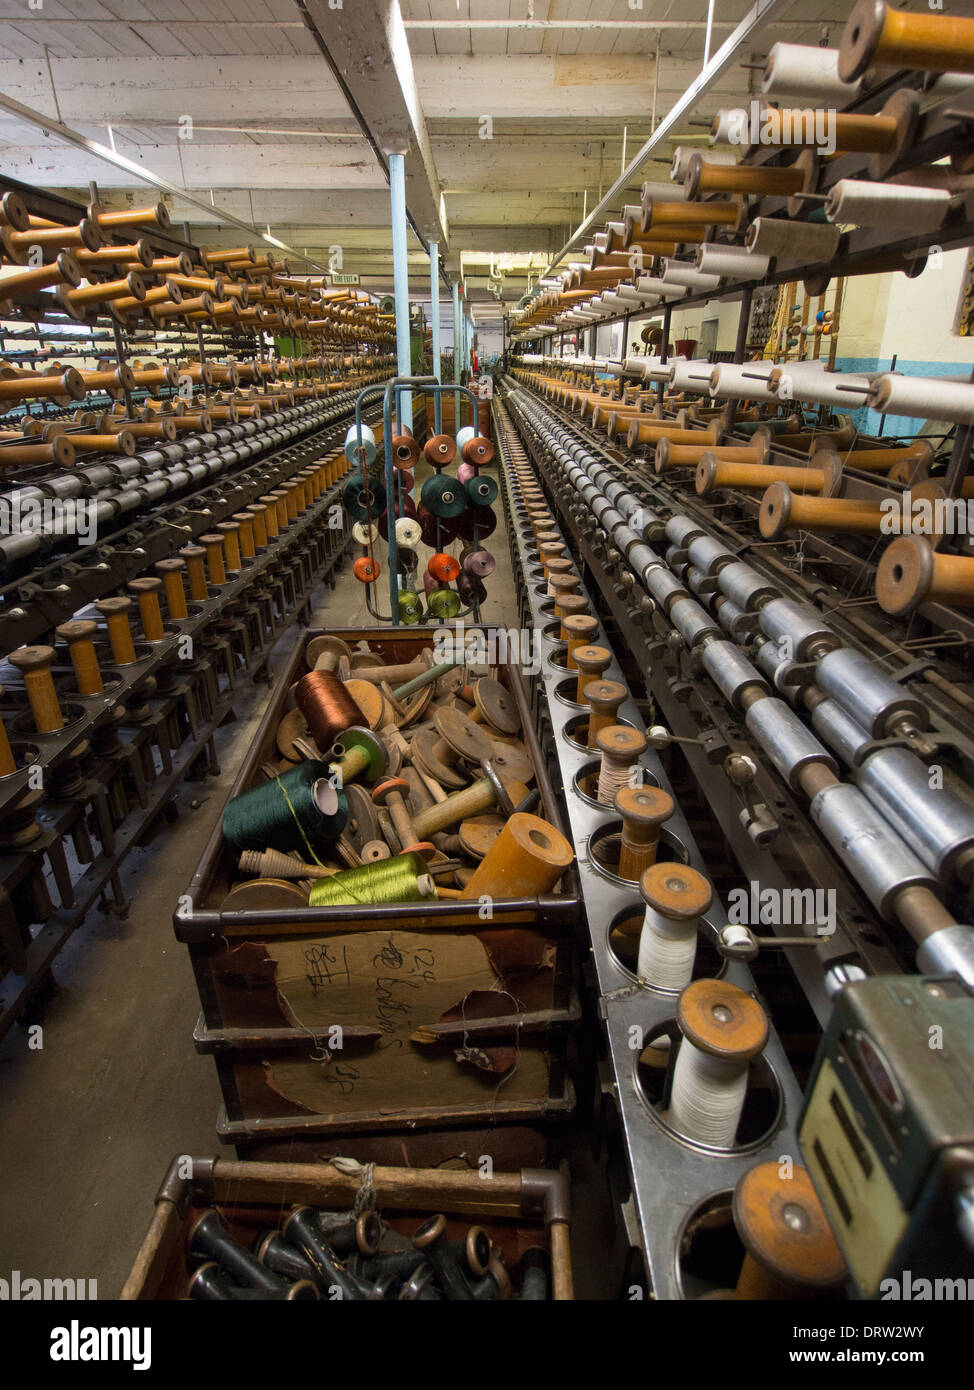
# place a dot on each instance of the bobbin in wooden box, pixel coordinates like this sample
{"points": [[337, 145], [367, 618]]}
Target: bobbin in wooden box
{"points": [[520, 1214], [428, 1014]]}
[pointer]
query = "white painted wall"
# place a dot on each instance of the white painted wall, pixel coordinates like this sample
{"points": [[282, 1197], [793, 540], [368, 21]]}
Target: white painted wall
{"points": [[920, 314]]}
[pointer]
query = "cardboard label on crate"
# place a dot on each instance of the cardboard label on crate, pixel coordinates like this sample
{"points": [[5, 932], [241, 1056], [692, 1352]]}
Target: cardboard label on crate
{"points": [[394, 982]]}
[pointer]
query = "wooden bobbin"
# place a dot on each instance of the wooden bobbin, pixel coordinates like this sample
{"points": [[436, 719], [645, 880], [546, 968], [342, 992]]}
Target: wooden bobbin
{"points": [[482, 795], [34, 664], [722, 1020], [195, 558], [81, 649], [578, 630], [603, 699], [569, 605], [146, 591], [561, 585], [551, 550], [783, 510], [910, 572], [212, 542], [621, 748], [557, 568], [271, 521], [230, 531], [171, 573], [493, 706], [642, 433], [526, 860], [880, 460], [259, 514], [8, 763], [703, 177], [459, 738], [790, 1249], [669, 455], [877, 35], [590, 662], [643, 811], [247, 543], [392, 794], [279, 498], [115, 611], [713, 474]]}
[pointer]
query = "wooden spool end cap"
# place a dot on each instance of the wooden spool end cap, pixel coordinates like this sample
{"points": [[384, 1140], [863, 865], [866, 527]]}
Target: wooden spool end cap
{"points": [[381, 793], [580, 625], [646, 808], [605, 697], [720, 1019], [33, 658], [77, 629], [478, 834], [540, 840], [592, 659], [619, 741], [112, 607], [466, 738], [496, 704], [145, 585], [784, 1227], [675, 890], [904, 574]]}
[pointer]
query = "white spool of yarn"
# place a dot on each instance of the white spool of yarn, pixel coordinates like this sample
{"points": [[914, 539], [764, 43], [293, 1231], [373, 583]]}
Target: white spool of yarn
{"points": [[681, 162], [786, 239], [909, 206], [676, 897], [924, 397], [723, 1030], [651, 189], [810, 382], [650, 284], [691, 375], [683, 273], [363, 534], [731, 261], [806, 73], [745, 381], [352, 452], [408, 532]]}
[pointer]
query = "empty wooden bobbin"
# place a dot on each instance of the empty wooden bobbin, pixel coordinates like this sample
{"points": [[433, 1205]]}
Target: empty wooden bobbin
{"points": [[569, 606], [195, 558], [590, 663], [248, 547], [822, 478], [230, 531], [783, 510], [271, 519], [171, 573], [723, 1030], [790, 1249], [493, 705], [577, 630], [478, 834], [526, 860], [561, 586], [877, 35], [8, 763], [79, 636], [212, 543], [621, 748], [603, 699], [458, 739], [259, 514], [669, 456], [392, 794], [676, 897], [146, 591], [115, 611], [910, 572], [34, 664], [488, 793], [643, 811]]}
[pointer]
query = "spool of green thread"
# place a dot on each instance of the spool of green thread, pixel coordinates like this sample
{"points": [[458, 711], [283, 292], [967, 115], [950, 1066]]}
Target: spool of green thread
{"points": [[444, 603], [353, 497], [299, 812], [410, 608], [481, 490], [444, 496], [403, 879]]}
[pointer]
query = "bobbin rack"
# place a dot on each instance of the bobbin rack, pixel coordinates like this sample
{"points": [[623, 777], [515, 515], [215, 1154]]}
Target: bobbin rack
{"points": [[172, 414]]}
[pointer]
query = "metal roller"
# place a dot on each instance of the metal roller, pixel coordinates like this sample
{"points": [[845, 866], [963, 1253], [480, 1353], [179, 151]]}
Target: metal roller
{"points": [[785, 739], [840, 731], [692, 622], [869, 695], [881, 864], [730, 671], [708, 554], [795, 628], [933, 819], [663, 586], [745, 586]]}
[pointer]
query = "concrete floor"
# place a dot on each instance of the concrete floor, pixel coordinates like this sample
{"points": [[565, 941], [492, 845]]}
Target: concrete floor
{"points": [[90, 1121]]}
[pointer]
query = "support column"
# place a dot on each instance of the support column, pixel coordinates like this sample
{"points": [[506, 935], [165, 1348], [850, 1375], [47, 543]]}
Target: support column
{"points": [[435, 317], [400, 273]]}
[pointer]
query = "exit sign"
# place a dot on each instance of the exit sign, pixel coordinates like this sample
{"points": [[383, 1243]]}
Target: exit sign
{"points": [[344, 279]]}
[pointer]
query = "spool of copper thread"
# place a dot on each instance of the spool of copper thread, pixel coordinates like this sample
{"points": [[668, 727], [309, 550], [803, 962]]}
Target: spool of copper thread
{"points": [[643, 811], [327, 706]]}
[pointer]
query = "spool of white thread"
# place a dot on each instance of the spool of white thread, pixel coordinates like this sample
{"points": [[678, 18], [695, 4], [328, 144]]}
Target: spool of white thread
{"points": [[723, 1030], [732, 261], [408, 532], [909, 206], [683, 273], [809, 381], [676, 897], [650, 284], [692, 375], [745, 381], [663, 191], [793, 241], [924, 397], [362, 533], [657, 370], [352, 452], [681, 162], [620, 747], [798, 70]]}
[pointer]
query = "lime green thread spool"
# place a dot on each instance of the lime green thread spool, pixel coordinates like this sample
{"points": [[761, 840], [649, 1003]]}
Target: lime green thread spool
{"points": [[410, 608], [403, 879], [299, 812], [444, 603]]}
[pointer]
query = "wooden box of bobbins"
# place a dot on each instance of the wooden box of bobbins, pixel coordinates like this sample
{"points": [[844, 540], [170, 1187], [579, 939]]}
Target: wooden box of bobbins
{"points": [[384, 928], [226, 1231]]}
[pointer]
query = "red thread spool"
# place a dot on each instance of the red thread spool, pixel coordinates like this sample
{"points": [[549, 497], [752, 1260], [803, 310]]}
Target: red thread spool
{"points": [[444, 568], [405, 451], [327, 707], [440, 450], [483, 518], [430, 582], [366, 570], [448, 527], [479, 451]]}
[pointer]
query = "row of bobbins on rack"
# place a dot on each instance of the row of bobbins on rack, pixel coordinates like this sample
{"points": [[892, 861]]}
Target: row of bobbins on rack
{"points": [[166, 516], [451, 508], [696, 1081], [896, 185]]}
